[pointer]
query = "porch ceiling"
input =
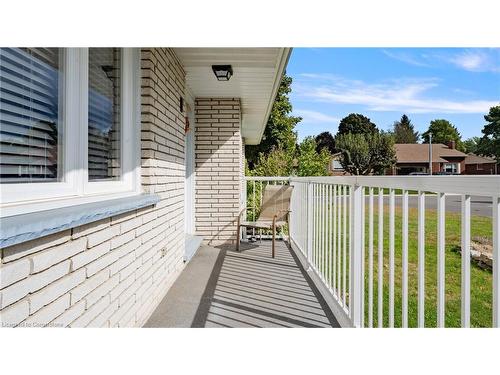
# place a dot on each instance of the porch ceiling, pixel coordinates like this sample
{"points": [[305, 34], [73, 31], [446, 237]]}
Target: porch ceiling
{"points": [[256, 77]]}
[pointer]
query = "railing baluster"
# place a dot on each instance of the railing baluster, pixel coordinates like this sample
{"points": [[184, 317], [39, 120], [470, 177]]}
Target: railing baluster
{"points": [[496, 261], [421, 259], [253, 208], [465, 234], [380, 270], [324, 234], [330, 235], [441, 259], [391, 257], [370, 259], [339, 243], [313, 222], [363, 254], [404, 302], [344, 245], [334, 238], [355, 244], [309, 202]]}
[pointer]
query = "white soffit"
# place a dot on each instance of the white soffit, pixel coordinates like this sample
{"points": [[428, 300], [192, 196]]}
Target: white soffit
{"points": [[256, 77]]}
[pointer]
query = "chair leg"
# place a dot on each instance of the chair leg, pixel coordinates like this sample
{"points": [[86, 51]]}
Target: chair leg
{"points": [[274, 242]]}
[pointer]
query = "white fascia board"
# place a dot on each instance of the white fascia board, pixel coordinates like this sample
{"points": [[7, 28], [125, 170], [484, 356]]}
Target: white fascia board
{"points": [[282, 63]]}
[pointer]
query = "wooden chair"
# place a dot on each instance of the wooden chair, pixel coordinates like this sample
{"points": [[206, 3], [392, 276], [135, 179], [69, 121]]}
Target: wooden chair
{"points": [[274, 212]]}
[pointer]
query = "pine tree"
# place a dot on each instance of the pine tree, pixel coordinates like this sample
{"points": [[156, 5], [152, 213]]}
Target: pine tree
{"points": [[404, 131]]}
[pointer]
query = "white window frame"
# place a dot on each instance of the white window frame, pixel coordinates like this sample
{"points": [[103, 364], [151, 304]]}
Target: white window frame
{"points": [[74, 187], [455, 166]]}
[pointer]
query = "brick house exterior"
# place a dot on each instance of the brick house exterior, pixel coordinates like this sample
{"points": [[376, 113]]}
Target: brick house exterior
{"points": [[480, 165], [219, 163], [415, 158], [114, 272]]}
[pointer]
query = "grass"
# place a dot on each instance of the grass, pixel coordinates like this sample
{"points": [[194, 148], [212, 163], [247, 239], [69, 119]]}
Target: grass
{"points": [[481, 280]]}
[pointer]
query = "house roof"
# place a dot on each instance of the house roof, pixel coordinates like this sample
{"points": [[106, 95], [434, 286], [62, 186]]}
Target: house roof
{"points": [[419, 153], [256, 78], [476, 159]]}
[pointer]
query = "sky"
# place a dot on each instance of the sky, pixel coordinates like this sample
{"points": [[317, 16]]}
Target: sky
{"points": [[457, 84]]}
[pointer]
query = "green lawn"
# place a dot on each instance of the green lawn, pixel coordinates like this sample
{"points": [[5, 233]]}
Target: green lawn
{"points": [[481, 280]]}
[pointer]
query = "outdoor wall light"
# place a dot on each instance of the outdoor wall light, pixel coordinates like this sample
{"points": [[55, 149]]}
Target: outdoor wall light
{"points": [[223, 72]]}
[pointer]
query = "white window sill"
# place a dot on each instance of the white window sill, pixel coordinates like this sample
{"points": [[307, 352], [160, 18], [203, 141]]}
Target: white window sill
{"points": [[28, 226]]}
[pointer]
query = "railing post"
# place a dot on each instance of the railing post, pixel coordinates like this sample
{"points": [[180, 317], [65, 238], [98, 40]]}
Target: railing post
{"points": [[496, 261], [309, 223], [356, 256], [244, 205]]}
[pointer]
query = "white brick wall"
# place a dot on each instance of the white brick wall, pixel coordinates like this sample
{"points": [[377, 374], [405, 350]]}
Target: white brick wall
{"points": [[219, 163], [113, 272]]}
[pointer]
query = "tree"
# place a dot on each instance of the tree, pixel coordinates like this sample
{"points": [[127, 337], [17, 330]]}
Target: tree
{"points": [[357, 124], [364, 154], [443, 131], [325, 141], [471, 145], [404, 131], [311, 162], [278, 162], [489, 144], [280, 127]]}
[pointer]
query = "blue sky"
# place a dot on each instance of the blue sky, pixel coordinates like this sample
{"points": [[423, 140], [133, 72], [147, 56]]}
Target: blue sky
{"points": [[456, 84]]}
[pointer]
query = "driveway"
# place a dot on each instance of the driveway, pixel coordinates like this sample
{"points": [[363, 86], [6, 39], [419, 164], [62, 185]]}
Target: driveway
{"points": [[480, 206]]}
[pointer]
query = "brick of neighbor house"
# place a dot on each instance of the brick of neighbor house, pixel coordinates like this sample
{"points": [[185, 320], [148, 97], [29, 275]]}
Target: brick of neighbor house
{"points": [[219, 168], [80, 277]]}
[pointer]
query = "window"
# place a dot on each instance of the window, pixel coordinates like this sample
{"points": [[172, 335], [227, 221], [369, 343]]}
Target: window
{"points": [[451, 168], [69, 126], [104, 114], [336, 166], [31, 114]]}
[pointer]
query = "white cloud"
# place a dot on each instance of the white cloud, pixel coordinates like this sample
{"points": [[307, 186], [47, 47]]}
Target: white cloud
{"points": [[406, 58], [401, 95], [477, 60], [314, 116], [472, 60]]}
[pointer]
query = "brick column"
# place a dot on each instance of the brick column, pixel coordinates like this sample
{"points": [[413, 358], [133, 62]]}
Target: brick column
{"points": [[219, 168]]}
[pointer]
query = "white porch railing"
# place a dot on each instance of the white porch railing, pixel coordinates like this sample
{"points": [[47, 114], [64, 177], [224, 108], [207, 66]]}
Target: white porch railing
{"points": [[334, 222]]}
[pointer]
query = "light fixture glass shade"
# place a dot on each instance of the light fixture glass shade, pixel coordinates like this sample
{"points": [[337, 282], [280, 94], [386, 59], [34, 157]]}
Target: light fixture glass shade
{"points": [[222, 72]]}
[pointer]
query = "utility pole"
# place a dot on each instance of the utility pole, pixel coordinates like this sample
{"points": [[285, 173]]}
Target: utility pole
{"points": [[430, 154]]}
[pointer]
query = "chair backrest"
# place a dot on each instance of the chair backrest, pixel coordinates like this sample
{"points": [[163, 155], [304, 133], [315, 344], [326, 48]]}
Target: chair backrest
{"points": [[275, 201]]}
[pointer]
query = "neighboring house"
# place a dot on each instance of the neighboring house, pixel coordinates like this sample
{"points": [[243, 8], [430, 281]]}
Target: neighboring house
{"points": [[115, 165], [335, 168], [475, 164], [414, 158]]}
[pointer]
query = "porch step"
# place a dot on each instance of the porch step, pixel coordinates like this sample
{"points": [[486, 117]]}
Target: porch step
{"points": [[192, 245]]}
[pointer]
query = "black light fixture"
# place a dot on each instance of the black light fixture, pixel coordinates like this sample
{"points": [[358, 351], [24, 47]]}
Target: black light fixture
{"points": [[222, 72]]}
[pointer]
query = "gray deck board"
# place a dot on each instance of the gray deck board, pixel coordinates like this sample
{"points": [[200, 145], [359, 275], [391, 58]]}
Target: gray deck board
{"points": [[245, 289]]}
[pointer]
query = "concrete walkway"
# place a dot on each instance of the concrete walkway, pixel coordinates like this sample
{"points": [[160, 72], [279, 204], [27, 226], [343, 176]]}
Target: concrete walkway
{"points": [[245, 289]]}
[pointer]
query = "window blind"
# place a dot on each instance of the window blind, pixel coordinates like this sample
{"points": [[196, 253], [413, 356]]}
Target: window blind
{"points": [[30, 114]]}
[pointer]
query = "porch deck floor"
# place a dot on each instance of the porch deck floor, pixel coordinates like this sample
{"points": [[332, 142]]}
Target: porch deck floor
{"points": [[251, 289]]}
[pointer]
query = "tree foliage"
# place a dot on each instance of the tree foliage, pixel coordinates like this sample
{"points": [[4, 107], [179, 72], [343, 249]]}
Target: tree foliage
{"points": [[326, 141], [364, 154], [311, 162], [404, 131], [443, 131], [356, 123], [471, 145], [278, 162], [489, 144], [280, 128]]}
